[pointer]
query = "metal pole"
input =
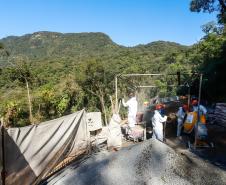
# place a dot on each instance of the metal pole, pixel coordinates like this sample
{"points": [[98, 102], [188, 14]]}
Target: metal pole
{"points": [[3, 155], [142, 74], [154, 74], [197, 124], [116, 93], [153, 86]]}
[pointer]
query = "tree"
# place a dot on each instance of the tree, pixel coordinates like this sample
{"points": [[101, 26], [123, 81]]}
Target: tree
{"points": [[70, 96], [210, 6], [22, 73], [97, 81], [213, 50], [211, 27], [78, 71], [46, 100]]}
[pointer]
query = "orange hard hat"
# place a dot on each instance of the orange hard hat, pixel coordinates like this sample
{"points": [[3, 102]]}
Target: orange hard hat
{"points": [[158, 106]]}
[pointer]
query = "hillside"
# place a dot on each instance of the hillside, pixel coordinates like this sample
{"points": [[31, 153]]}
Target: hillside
{"points": [[160, 47], [69, 71], [51, 44]]}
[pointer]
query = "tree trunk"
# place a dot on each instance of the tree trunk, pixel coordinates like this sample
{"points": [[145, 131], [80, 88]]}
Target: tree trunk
{"points": [[29, 102]]}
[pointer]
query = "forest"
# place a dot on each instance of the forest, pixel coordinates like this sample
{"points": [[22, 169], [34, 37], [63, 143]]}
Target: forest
{"points": [[46, 75]]}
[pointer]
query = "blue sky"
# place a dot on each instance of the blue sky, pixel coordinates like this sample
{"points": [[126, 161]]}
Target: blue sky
{"points": [[127, 22]]}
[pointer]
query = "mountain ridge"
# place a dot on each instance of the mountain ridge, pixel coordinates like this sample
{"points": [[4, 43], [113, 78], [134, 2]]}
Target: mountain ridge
{"points": [[45, 44]]}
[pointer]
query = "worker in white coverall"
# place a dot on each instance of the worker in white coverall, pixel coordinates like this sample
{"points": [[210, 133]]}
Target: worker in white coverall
{"points": [[132, 109], [157, 122], [180, 118]]}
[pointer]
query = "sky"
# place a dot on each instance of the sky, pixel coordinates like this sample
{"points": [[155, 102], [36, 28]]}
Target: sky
{"points": [[127, 22]]}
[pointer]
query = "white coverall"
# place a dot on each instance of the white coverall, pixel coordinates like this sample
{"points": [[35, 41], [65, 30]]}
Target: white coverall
{"points": [[202, 109], [157, 123], [180, 117], [132, 110]]}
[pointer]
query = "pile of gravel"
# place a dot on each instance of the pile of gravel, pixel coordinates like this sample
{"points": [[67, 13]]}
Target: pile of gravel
{"points": [[149, 162]]}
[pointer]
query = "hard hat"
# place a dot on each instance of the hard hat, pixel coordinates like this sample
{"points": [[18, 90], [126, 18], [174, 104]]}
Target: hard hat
{"points": [[194, 97], [158, 106], [185, 107], [194, 102]]}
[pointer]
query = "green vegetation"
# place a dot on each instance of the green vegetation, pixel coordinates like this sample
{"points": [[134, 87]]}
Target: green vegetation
{"points": [[210, 6], [67, 72], [45, 75], [210, 52]]}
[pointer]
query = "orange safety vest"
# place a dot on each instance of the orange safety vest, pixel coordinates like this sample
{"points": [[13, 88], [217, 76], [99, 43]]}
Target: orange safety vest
{"points": [[191, 120]]}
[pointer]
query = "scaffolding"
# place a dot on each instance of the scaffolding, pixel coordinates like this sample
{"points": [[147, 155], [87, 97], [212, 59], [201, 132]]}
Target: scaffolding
{"points": [[178, 74]]}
